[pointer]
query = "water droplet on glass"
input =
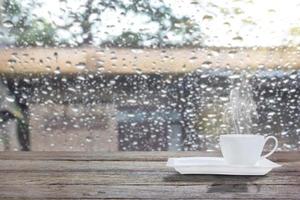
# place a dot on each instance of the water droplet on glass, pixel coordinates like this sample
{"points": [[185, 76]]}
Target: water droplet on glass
{"points": [[10, 99], [80, 65], [8, 24], [88, 139], [206, 64], [207, 18]]}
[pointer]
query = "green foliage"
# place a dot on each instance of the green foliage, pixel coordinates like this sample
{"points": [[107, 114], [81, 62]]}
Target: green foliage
{"points": [[39, 33], [27, 31], [11, 8], [33, 30], [126, 39], [167, 20]]}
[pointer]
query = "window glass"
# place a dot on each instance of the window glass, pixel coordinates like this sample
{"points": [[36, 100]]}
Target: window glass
{"points": [[143, 75]]}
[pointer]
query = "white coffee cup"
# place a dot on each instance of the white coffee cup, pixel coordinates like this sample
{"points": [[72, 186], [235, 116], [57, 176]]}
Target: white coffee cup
{"points": [[240, 149]]}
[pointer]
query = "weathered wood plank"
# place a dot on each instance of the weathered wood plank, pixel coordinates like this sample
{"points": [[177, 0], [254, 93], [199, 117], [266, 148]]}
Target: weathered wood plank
{"points": [[141, 178], [99, 156], [216, 190], [134, 175], [87, 166], [83, 166], [127, 156]]}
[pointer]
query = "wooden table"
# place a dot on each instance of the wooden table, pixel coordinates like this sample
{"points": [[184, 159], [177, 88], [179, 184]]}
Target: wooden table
{"points": [[119, 175]]}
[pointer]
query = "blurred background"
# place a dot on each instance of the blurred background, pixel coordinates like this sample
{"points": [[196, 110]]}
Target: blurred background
{"points": [[144, 75]]}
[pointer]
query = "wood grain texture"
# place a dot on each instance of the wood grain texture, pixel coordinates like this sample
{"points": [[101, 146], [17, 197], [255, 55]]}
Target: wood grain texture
{"points": [[135, 175], [241, 191], [127, 156]]}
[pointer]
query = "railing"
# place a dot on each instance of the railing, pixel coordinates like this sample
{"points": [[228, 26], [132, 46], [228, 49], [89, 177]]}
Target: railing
{"points": [[130, 61]]}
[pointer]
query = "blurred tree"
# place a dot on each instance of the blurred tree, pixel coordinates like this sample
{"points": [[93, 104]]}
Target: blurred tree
{"points": [[152, 24], [27, 30]]}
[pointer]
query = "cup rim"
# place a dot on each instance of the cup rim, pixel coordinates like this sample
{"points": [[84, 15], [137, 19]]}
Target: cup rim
{"points": [[241, 135]]}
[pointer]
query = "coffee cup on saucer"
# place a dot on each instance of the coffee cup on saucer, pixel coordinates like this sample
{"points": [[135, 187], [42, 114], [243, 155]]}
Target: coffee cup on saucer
{"points": [[245, 149]]}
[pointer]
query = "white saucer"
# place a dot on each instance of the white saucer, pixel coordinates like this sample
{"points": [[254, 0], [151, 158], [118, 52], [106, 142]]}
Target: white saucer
{"points": [[217, 165]]}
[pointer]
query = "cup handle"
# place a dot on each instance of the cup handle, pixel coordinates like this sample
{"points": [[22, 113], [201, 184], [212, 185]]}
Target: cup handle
{"points": [[274, 148]]}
